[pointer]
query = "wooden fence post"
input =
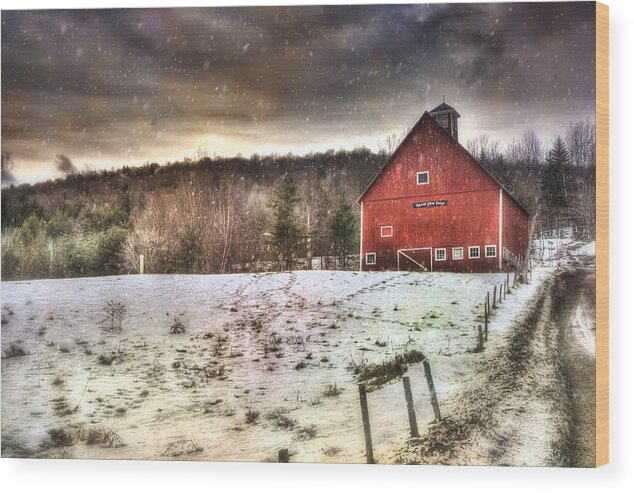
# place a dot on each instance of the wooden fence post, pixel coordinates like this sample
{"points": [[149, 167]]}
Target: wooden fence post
{"points": [[413, 426], [501, 294], [486, 322], [480, 339], [283, 455], [495, 294], [432, 389], [365, 416], [488, 303], [508, 286], [141, 264]]}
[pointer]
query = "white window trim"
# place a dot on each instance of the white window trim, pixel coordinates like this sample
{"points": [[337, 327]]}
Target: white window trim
{"points": [[391, 231], [474, 256], [436, 250], [494, 248], [422, 173], [453, 253], [367, 261]]}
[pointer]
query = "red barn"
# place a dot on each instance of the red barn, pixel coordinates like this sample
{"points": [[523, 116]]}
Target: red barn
{"points": [[434, 207]]}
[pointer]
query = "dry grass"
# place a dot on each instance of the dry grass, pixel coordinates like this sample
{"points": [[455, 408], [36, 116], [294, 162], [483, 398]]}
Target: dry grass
{"points": [[306, 433], [252, 416], [357, 367], [379, 374], [106, 437], [181, 447], [177, 327], [332, 390], [280, 419], [65, 436], [14, 351], [14, 449], [58, 381], [109, 359]]}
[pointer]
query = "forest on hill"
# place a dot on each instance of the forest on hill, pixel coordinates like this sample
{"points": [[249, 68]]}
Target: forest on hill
{"points": [[247, 214]]}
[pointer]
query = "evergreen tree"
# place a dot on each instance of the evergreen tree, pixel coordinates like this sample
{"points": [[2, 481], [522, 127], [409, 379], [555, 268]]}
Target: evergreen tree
{"points": [[343, 230], [287, 230], [554, 187]]}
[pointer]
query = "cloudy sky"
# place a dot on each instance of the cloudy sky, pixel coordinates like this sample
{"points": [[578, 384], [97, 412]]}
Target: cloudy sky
{"points": [[107, 88]]}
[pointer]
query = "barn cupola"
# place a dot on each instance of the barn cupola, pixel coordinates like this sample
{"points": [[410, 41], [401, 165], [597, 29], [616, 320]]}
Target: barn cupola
{"points": [[447, 118]]}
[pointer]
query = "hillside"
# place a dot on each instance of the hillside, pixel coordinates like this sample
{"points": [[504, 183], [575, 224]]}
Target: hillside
{"points": [[205, 216]]}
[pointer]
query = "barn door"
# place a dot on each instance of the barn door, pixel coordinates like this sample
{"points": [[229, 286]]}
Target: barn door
{"points": [[419, 259]]}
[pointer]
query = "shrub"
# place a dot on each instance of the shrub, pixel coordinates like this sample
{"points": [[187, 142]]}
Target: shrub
{"points": [[65, 436], [109, 247], [18, 205], [102, 218], [177, 327], [332, 390], [306, 433], [252, 416], [181, 447], [58, 381], [280, 420], [379, 374], [356, 367], [380, 343], [14, 351], [106, 437], [115, 311], [108, 359]]}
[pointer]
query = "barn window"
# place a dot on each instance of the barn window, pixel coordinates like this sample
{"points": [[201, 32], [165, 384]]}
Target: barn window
{"points": [[457, 253], [422, 178], [490, 251], [370, 258], [441, 254], [474, 252], [386, 231]]}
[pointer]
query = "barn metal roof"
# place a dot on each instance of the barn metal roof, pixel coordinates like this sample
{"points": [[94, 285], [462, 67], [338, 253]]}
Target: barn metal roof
{"points": [[444, 107]]}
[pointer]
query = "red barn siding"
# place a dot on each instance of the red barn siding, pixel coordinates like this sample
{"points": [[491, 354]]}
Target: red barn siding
{"points": [[470, 218]]}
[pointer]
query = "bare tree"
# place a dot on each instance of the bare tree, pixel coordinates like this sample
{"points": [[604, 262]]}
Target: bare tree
{"points": [[484, 149], [580, 140]]}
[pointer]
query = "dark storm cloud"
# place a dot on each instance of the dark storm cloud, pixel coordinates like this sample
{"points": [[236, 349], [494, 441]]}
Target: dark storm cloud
{"points": [[7, 166], [64, 165], [106, 86]]}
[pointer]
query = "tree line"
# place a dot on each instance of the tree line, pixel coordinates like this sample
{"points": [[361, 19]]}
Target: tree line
{"points": [[556, 181], [195, 216], [241, 214]]}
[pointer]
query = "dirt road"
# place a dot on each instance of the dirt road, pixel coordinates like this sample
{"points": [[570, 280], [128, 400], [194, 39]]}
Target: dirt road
{"points": [[578, 321]]}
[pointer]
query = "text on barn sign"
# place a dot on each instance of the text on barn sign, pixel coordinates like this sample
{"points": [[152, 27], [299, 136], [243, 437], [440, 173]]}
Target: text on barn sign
{"points": [[430, 203]]}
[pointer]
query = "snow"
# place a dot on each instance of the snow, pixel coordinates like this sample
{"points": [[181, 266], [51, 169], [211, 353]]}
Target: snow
{"points": [[158, 393], [583, 324], [561, 252]]}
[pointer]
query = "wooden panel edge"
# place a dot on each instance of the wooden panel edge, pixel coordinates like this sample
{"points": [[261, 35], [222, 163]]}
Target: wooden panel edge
{"points": [[602, 234]]}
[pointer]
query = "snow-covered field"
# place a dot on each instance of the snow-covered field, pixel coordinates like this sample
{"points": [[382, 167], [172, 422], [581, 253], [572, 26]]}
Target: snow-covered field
{"points": [[189, 393]]}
